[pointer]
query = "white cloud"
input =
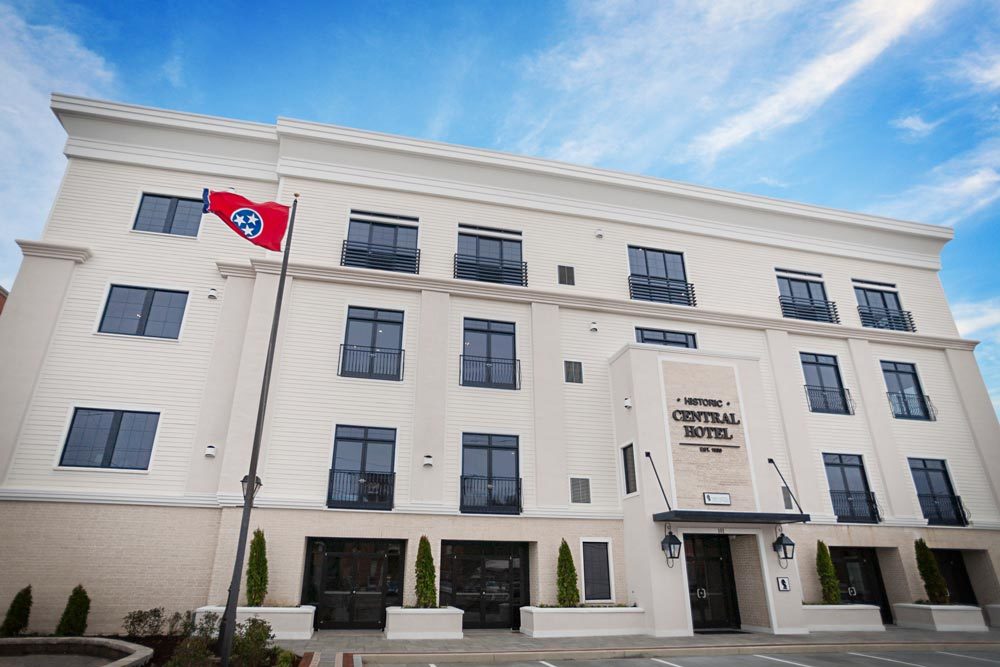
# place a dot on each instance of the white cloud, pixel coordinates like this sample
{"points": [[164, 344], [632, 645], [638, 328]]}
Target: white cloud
{"points": [[771, 182], [34, 61], [982, 70], [915, 127], [981, 319], [173, 70]]}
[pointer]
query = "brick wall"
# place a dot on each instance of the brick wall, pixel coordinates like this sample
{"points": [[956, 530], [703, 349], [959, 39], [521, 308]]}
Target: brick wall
{"points": [[749, 581]]}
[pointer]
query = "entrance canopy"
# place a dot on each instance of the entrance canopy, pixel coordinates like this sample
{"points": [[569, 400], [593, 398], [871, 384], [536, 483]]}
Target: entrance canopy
{"points": [[712, 516]]}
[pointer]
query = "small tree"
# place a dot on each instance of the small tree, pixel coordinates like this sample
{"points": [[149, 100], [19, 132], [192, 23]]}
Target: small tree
{"points": [[934, 584], [567, 592], [257, 570], [16, 620], [426, 586], [827, 574], [74, 617]]}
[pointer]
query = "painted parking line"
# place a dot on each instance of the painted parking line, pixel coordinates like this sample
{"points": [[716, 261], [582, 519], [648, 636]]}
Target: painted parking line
{"points": [[664, 662], [787, 662], [878, 657], [970, 657], [547, 664]]}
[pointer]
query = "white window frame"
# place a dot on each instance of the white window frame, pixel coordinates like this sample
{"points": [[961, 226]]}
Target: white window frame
{"points": [[611, 570]]}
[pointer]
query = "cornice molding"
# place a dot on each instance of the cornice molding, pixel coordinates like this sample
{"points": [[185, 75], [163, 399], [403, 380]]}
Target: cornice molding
{"points": [[78, 254], [526, 295], [87, 497]]}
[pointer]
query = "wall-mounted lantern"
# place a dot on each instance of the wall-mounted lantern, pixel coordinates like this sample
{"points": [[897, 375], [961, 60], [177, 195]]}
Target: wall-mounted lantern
{"points": [[671, 546], [784, 547]]}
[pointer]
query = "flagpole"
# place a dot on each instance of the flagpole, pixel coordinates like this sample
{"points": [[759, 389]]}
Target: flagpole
{"points": [[250, 488]]}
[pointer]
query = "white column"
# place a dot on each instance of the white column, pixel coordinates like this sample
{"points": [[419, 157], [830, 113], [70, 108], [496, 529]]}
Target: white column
{"points": [[429, 411], [549, 409]]}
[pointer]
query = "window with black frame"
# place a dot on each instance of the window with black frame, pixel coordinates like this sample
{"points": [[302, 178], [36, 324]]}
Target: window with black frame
{"points": [[596, 572], [853, 501], [142, 311], [938, 501], [805, 300], [662, 337], [362, 475], [490, 482], [880, 309], [373, 344], [659, 275], [110, 439], [628, 469], [489, 358], [824, 389], [490, 259], [906, 397], [376, 244], [168, 215]]}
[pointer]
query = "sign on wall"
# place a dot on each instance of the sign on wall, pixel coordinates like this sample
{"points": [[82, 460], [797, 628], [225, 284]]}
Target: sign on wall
{"points": [[717, 498]]}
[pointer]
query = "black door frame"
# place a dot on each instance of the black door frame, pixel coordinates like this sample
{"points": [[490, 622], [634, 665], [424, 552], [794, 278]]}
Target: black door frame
{"points": [[732, 621], [870, 557], [513, 549]]}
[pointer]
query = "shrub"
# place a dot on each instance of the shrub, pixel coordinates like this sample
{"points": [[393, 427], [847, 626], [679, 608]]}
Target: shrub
{"points": [[74, 617], [827, 574], [426, 586], [934, 584], [147, 623], [257, 570], [16, 620], [180, 625], [192, 652], [285, 659], [252, 643], [567, 591]]}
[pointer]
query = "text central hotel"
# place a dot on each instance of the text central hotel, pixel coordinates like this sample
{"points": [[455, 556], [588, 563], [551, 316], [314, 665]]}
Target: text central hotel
{"points": [[495, 351]]}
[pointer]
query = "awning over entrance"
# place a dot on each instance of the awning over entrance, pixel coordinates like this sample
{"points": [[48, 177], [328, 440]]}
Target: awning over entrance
{"points": [[712, 516]]}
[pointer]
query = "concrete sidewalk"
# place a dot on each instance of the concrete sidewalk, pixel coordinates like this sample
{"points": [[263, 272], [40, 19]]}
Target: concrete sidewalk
{"points": [[495, 646]]}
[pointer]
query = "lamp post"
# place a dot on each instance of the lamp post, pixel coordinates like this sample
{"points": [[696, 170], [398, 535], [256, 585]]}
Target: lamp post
{"points": [[245, 482]]}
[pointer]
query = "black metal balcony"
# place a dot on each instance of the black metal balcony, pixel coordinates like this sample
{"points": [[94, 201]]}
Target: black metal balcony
{"points": [[351, 489], [802, 308], [943, 510], [370, 362], [831, 400], [855, 507], [661, 290], [490, 372], [490, 495], [886, 318], [911, 406], [490, 270], [384, 257]]}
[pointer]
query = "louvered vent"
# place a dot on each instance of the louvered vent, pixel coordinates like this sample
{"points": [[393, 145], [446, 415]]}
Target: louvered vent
{"points": [[579, 488]]}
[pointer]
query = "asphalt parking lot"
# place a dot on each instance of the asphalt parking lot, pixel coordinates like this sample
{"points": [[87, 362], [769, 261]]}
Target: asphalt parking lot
{"points": [[962, 658]]}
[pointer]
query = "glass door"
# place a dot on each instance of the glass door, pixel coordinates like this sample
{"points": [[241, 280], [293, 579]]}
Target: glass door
{"points": [[711, 586], [860, 578], [351, 582], [487, 580]]}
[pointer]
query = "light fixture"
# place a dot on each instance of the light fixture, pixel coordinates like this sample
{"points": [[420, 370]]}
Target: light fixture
{"points": [[784, 547], [599, 233], [212, 293], [593, 326], [628, 402], [671, 546], [428, 461], [256, 487], [209, 451]]}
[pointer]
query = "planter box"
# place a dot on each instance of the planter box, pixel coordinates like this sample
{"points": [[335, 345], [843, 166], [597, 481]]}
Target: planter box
{"points": [[950, 617], [582, 621], [843, 618], [286, 622], [992, 615], [440, 623]]}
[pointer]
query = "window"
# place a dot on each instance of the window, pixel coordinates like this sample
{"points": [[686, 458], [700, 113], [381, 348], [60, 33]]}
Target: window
{"points": [[110, 439], [373, 344], [628, 469], [140, 311], [786, 496], [658, 275], [579, 490], [490, 482], [938, 501], [805, 300], [573, 371], [567, 275], [168, 215], [488, 358], [880, 309], [824, 389], [490, 259], [852, 500], [362, 474], [905, 395], [660, 337], [379, 241], [596, 572]]}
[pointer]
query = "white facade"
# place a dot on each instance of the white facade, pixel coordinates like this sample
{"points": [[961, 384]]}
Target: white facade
{"points": [[205, 383]]}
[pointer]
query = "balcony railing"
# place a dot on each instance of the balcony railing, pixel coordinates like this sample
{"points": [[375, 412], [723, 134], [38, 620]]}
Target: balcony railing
{"points": [[802, 308], [911, 406], [886, 318], [943, 510], [370, 362], [490, 270], [490, 372], [361, 490], [375, 256], [831, 400], [491, 495], [855, 507], [662, 290]]}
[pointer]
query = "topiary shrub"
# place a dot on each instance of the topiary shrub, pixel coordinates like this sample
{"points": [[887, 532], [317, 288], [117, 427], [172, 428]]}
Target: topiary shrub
{"points": [[426, 586], [147, 623], [16, 620], [257, 570], [285, 659], [827, 574], [74, 617], [567, 591], [934, 584], [252, 644]]}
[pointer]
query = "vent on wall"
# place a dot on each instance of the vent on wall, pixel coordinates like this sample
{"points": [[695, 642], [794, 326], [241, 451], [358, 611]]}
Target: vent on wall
{"points": [[579, 489]]}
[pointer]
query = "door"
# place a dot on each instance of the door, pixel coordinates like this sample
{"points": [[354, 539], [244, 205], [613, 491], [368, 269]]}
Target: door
{"points": [[956, 577], [351, 582], [860, 578], [487, 580], [711, 586]]}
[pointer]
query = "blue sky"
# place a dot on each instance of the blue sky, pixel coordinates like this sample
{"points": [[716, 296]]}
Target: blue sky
{"points": [[890, 107]]}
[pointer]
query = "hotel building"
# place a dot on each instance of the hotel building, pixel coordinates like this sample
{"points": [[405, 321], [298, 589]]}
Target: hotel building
{"points": [[495, 351]]}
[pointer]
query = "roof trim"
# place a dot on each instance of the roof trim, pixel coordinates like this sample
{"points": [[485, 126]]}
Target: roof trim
{"points": [[712, 516]]}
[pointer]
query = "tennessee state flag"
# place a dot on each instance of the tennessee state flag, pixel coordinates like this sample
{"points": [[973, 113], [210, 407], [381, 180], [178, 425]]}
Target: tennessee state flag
{"points": [[261, 224]]}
